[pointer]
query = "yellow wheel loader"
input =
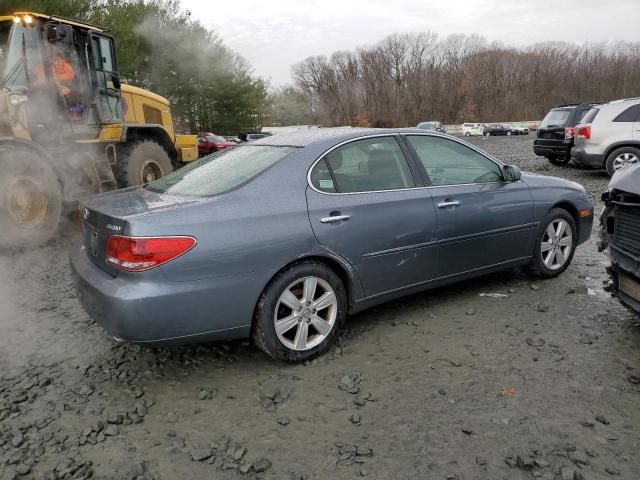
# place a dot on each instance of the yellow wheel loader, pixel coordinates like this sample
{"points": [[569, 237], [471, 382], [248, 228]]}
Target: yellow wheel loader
{"points": [[69, 127]]}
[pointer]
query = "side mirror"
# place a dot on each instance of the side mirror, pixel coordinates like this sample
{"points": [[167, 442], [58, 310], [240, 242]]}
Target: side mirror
{"points": [[511, 173], [116, 82]]}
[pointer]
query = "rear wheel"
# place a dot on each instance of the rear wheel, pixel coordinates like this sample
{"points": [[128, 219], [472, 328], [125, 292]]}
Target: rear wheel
{"points": [[621, 158], [559, 161], [467, 134], [30, 199], [555, 244], [300, 312], [487, 134], [142, 162], [509, 133]]}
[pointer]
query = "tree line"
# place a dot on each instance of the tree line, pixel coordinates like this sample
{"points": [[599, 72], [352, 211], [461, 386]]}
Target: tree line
{"points": [[413, 77], [161, 48]]}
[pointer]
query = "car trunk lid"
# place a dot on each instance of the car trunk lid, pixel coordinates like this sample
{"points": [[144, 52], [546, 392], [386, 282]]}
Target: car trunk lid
{"points": [[96, 229]]}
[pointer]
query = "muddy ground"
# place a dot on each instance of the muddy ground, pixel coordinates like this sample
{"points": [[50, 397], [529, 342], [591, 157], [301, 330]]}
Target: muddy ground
{"points": [[440, 385]]}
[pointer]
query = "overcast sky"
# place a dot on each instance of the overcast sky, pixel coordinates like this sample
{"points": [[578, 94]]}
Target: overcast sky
{"points": [[275, 34]]}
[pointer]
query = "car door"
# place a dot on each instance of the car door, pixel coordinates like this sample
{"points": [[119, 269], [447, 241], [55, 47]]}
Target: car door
{"points": [[483, 221], [366, 204]]}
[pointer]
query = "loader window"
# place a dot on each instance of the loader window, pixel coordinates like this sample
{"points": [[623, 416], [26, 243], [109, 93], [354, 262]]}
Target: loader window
{"points": [[106, 78], [152, 115]]}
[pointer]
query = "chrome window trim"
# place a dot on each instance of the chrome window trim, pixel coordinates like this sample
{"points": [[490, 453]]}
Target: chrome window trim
{"points": [[418, 134]]}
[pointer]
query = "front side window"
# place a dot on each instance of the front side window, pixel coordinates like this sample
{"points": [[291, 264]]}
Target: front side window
{"points": [[450, 163], [221, 171], [368, 165]]}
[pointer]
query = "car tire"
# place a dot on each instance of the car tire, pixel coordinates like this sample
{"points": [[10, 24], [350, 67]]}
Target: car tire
{"points": [[305, 332], [620, 158], [545, 262], [508, 133], [487, 134], [467, 134], [559, 161]]}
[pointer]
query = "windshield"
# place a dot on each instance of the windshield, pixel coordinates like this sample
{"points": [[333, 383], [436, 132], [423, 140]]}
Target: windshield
{"points": [[221, 171], [555, 118], [426, 126], [215, 138], [18, 44]]}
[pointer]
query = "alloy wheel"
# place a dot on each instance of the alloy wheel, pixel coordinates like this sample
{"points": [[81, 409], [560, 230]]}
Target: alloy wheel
{"points": [[556, 245], [305, 313], [624, 160]]}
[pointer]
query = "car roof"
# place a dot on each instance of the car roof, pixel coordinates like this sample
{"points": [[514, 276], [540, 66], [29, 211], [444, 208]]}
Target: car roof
{"points": [[306, 138]]}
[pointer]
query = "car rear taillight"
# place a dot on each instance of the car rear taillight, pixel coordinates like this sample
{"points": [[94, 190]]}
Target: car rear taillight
{"points": [[569, 132], [135, 254], [584, 132]]}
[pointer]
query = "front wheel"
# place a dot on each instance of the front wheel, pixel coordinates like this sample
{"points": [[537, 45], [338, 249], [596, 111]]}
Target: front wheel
{"points": [[555, 244], [509, 133], [30, 198], [300, 312], [487, 134]]}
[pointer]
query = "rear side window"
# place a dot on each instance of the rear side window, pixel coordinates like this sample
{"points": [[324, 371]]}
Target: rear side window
{"points": [[590, 116], [221, 171], [368, 165], [556, 118], [631, 114]]}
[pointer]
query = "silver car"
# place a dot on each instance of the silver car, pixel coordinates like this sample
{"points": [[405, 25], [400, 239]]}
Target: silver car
{"points": [[281, 238], [609, 136]]}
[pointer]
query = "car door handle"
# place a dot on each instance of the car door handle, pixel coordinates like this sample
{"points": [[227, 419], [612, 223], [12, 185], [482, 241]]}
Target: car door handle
{"points": [[451, 203], [335, 218]]}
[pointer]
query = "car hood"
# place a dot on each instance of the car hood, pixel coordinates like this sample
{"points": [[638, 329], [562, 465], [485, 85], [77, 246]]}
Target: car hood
{"points": [[537, 180], [137, 201], [627, 180]]}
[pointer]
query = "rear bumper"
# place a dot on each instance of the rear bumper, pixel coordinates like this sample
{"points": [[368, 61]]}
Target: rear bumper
{"points": [[550, 148], [151, 309], [582, 157]]}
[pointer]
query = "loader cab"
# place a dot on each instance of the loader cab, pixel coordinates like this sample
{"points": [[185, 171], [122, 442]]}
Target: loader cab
{"points": [[33, 49]]}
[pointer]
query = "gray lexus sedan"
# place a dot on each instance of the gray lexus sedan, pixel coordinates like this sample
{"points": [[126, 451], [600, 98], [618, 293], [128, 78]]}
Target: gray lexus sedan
{"points": [[281, 238]]}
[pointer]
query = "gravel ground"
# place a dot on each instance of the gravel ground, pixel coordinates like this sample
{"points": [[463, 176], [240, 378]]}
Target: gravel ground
{"points": [[440, 385]]}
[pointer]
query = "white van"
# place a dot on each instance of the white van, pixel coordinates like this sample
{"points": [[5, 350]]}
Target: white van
{"points": [[469, 129]]}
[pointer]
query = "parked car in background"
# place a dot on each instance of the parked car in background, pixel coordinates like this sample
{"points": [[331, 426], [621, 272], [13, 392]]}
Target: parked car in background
{"points": [[250, 137], [472, 129], [554, 137], [518, 129], [435, 126], [281, 238], [609, 136], [620, 235], [497, 129], [209, 143], [533, 127]]}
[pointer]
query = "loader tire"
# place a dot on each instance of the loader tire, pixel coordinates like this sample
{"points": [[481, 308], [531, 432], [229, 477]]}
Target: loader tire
{"points": [[30, 198], [142, 162]]}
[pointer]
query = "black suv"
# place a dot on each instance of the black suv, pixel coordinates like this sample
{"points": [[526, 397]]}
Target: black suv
{"points": [[620, 227], [554, 137]]}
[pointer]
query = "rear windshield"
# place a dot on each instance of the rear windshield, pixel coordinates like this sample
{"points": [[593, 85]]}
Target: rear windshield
{"points": [[221, 171], [590, 116], [555, 118]]}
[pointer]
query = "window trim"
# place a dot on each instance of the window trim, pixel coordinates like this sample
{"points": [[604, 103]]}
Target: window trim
{"points": [[412, 159], [455, 140], [409, 160]]}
